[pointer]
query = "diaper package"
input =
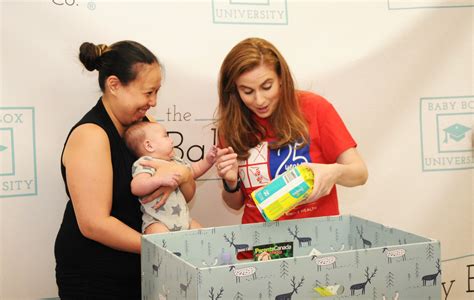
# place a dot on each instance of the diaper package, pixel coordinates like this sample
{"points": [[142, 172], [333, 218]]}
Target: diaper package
{"points": [[284, 192]]}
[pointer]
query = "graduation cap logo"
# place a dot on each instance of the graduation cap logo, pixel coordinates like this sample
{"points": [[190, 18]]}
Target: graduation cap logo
{"points": [[456, 132]]}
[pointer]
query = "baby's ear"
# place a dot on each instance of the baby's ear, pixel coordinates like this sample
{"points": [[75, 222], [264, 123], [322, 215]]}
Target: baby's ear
{"points": [[148, 146]]}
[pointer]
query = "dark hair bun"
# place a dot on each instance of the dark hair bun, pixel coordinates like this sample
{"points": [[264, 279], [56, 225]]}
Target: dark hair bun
{"points": [[89, 55], [118, 59]]}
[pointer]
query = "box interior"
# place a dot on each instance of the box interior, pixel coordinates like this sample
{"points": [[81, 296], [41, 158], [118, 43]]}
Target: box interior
{"points": [[218, 246]]}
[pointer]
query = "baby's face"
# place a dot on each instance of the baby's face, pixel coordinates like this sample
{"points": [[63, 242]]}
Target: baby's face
{"points": [[162, 143]]}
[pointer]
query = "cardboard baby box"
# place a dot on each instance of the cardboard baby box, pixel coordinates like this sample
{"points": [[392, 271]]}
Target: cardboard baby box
{"points": [[342, 257]]}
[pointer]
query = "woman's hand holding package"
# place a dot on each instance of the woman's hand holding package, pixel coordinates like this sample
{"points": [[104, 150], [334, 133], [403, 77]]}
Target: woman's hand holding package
{"points": [[349, 170], [325, 177]]}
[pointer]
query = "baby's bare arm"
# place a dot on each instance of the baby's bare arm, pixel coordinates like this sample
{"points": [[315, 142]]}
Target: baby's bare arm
{"points": [[202, 166]]}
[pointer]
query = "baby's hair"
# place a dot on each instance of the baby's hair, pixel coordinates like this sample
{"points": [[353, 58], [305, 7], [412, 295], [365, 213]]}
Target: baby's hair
{"points": [[134, 137]]}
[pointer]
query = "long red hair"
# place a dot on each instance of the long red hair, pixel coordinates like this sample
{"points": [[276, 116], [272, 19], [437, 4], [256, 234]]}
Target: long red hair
{"points": [[235, 124]]}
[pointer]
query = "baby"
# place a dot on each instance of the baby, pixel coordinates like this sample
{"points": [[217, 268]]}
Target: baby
{"points": [[150, 141]]}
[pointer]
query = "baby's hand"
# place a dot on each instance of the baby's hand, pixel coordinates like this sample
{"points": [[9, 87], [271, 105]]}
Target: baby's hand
{"points": [[211, 155]]}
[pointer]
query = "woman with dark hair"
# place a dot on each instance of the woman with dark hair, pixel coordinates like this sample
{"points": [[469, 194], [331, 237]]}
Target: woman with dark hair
{"points": [[266, 126], [98, 244]]}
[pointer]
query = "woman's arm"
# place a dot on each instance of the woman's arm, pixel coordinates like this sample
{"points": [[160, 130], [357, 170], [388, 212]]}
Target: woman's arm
{"points": [[353, 171], [184, 174], [89, 177], [144, 183], [187, 185], [349, 170], [227, 169], [233, 200]]}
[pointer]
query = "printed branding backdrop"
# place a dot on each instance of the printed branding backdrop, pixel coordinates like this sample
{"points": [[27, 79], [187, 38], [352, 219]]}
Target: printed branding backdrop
{"points": [[399, 72]]}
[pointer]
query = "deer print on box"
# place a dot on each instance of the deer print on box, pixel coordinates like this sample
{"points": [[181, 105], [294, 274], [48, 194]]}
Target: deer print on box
{"points": [[238, 247], [216, 297], [364, 241], [432, 277], [301, 240], [324, 261], [295, 287], [243, 272], [361, 286], [394, 253], [183, 288], [164, 246], [156, 267]]}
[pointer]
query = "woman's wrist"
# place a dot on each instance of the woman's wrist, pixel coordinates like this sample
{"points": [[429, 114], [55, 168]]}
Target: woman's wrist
{"points": [[339, 171], [231, 186]]}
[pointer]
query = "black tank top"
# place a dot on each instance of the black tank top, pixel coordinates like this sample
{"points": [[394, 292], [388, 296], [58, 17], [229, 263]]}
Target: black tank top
{"points": [[78, 254]]}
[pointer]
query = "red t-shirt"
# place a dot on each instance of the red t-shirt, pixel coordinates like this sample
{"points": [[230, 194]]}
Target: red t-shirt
{"points": [[329, 137]]}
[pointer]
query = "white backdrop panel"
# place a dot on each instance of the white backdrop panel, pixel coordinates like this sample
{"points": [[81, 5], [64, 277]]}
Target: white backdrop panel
{"points": [[392, 68]]}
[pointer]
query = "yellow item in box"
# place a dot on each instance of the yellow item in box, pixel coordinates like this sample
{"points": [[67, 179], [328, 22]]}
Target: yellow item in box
{"points": [[284, 192]]}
